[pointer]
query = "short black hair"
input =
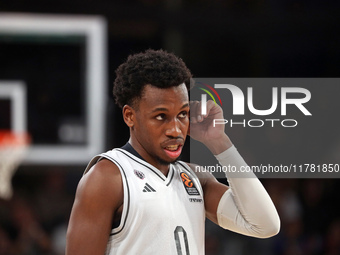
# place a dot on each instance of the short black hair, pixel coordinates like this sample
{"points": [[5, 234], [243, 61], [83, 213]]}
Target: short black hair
{"points": [[156, 67]]}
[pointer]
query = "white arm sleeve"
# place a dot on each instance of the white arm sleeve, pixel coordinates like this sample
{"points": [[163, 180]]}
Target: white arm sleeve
{"points": [[245, 207]]}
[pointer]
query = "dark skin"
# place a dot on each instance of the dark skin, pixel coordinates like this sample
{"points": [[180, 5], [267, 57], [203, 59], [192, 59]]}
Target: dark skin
{"points": [[161, 119]]}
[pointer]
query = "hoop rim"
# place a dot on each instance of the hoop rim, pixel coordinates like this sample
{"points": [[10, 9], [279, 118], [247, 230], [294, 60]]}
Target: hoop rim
{"points": [[11, 138]]}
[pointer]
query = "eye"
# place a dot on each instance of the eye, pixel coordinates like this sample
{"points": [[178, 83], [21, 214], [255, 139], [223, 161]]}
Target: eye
{"points": [[160, 116], [183, 114]]}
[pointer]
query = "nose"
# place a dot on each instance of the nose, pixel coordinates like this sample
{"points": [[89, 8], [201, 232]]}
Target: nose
{"points": [[173, 129]]}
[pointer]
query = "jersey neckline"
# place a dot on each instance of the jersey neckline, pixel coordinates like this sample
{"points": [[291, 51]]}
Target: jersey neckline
{"points": [[128, 147], [129, 151]]}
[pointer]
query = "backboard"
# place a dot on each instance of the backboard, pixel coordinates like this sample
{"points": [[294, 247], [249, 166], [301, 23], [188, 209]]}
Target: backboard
{"points": [[53, 84]]}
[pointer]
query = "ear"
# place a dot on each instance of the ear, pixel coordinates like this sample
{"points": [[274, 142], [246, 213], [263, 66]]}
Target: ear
{"points": [[129, 115]]}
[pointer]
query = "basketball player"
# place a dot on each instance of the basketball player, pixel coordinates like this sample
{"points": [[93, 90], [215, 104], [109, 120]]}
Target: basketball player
{"points": [[140, 199]]}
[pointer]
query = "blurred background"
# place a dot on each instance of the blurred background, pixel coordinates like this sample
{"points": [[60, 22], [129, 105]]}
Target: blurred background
{"points": [[61, 71]]}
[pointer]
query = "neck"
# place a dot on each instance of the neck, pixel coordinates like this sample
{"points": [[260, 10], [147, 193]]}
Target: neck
{"points": [[154, 161]]}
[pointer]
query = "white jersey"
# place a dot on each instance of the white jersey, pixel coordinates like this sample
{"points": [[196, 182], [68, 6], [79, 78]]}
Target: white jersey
{"points": [[161, 214]]}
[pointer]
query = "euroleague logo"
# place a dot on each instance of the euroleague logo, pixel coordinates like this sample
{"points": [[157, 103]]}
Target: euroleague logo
{"points": [[189, 184], [186, 180]]}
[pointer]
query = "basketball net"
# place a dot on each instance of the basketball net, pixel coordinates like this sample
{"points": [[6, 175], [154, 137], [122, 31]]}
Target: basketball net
{"points": [[13, 147]]}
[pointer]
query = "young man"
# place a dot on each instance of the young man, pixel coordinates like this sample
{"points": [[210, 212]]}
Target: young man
{"points": [[139, 199]]}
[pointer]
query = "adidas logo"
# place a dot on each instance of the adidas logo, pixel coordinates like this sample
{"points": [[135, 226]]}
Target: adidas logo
{"points": [[148, 188]]}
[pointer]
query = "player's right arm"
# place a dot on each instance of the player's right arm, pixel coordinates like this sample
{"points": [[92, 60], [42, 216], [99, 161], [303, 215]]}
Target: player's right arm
{"points": [[245, 207], [99, 195]]}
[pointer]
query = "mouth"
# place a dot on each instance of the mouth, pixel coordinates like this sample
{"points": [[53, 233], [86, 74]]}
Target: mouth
{"points": [[172, 147], [173, 151]]}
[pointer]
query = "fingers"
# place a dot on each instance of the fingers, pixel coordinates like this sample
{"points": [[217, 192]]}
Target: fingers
{"points": [[195, 112], [210, 105], [196, 115]]}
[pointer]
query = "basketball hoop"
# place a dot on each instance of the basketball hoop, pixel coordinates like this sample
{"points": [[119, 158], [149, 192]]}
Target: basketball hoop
{"points": [[13, 147]]}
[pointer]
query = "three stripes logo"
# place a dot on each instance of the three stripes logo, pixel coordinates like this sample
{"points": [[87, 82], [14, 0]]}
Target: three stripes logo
{"points": [[148, 188]]}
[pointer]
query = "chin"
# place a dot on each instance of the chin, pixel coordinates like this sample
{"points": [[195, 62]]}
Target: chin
{"points": [[166, 162]]}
